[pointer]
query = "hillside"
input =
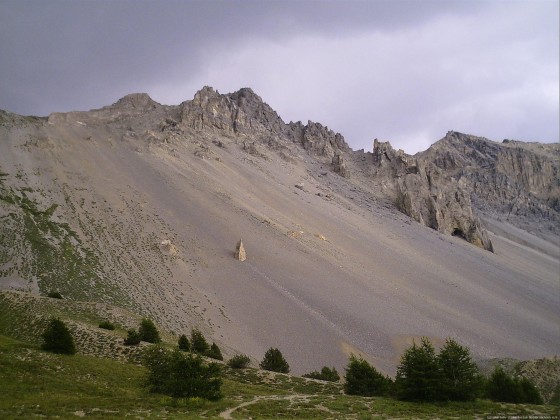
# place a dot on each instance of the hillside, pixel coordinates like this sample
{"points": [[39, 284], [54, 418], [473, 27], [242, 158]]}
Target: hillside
{"points": [[104, 379], [140, 205]]}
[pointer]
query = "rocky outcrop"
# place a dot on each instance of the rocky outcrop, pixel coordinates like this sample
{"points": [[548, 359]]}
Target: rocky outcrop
{"points": [[512, 180], [242, 112], [446, 186], [317, 139], [339, 166], [446, 209], [240, 251], [424, 192]]}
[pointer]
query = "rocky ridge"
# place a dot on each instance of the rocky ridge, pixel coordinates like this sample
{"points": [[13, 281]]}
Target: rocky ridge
{"points": [[447, 187]]}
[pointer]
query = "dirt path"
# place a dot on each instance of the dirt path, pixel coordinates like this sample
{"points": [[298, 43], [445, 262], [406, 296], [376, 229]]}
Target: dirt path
{"points": [[227, 413]]}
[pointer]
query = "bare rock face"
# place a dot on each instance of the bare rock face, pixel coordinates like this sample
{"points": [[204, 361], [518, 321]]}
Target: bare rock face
{"points": [[242, 112], [240, 251], [424, 192], [317, 139], [460, 176], [339, 166], [516, 181]]}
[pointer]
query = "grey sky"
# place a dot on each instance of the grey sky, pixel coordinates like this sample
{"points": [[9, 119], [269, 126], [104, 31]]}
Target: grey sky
{"points": [[404, 71]]}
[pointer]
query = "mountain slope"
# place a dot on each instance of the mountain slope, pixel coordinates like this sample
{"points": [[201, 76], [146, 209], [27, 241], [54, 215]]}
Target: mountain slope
{"points": [[141, 205]]}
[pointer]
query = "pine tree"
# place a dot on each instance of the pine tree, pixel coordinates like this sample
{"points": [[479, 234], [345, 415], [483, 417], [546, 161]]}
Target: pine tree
{"points": [[363, 379], [183, 343], [274, 361], [460, 377], [148, 331], [418, 374], [198, 342], [214, 352], [57, 338]]}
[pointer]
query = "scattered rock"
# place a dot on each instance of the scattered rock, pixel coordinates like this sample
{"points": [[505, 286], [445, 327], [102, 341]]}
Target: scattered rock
{"points": [[240, 251], [300, 186], [168, 248]]}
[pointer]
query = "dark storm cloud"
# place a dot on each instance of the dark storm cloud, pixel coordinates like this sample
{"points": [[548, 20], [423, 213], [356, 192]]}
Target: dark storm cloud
{"points": [[406, 71]]}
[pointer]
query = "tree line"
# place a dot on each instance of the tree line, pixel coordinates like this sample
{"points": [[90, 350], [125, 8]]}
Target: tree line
{"points": [[422, 375]]}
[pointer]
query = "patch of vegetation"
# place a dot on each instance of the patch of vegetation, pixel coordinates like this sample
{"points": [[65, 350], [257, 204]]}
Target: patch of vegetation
{"points": [[274, 361], [239, 361], [132, 338], [198, 342], [39, 384], [326, 374], [182, 375], [214, 352], [106, 325], [502, 387], [363, 379], [54, 295], [148, 331], [183, 343], [57, 338]]}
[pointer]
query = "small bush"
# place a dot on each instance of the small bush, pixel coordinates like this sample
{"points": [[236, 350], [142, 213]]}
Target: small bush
{"points": [[133, 338], [183, 343], [57, 338], [198, 342], [274, 361], [214, 352], [182, 375], [148, 331], [54, 295], [239, 361], [326, 374], [106, 325], [363, 379]]}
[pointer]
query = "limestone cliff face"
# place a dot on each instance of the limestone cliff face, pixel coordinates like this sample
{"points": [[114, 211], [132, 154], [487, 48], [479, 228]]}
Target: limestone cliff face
{"points": [[244, 113], [424, 192], [460, 176]]}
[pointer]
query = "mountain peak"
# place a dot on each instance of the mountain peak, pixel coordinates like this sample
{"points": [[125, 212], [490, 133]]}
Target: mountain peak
{"points": [[136, 100]]}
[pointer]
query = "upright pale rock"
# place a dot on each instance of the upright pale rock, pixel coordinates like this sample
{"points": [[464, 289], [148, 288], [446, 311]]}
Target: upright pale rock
{"points": [[240, 251]]}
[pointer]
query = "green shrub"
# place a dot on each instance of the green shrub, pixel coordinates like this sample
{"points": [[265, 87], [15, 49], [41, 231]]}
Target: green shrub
{"points": [[274, 361], [57, 338], [363, 379], [148, 331], [418, 375], [106, 325], [182, 375], [54, 295], [239, 361], [214, 352], [326, 374], [198, 342], [183, 343], [133, 338], [503, 388]]}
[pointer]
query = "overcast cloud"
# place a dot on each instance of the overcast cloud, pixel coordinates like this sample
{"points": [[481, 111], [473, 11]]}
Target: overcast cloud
{"points": [[404, 71]]}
